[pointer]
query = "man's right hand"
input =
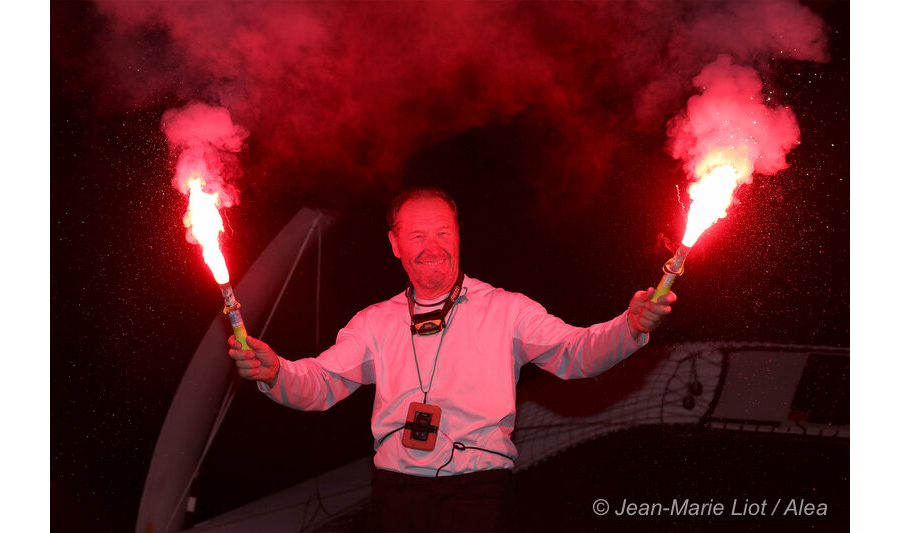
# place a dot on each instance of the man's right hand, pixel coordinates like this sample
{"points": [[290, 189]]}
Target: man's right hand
{"points": [[259, 363]]}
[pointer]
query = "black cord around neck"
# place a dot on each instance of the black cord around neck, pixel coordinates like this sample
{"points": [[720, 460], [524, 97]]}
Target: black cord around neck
{"points": [[420, 304]]}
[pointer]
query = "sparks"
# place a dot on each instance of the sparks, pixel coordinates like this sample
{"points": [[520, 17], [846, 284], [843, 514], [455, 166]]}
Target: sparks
{"points": [[204, 224]]}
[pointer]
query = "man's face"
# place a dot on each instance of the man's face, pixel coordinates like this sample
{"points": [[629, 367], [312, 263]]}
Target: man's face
{"points": [[427, 243]]}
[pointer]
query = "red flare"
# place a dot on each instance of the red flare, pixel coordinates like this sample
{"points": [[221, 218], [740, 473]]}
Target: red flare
{"points": [[204, 224], [718, 175]]}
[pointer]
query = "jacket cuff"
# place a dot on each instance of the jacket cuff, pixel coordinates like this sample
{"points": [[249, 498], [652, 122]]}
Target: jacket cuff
{"points": [[265, 389], [634, 344]]}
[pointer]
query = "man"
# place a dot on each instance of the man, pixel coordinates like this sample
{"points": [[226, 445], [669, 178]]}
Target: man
{"points": [[445, 357]]}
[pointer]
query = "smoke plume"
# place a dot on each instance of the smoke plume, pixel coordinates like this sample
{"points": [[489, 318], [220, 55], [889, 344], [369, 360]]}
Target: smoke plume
{"points": [[731, 112], [346, 92], [204, 142]]}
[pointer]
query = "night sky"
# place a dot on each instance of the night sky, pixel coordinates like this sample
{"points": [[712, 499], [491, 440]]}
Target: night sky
{"points": [[546, 122]]}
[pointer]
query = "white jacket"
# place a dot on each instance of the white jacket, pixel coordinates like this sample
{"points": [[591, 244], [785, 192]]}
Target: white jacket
{"points": [[490, 335]]}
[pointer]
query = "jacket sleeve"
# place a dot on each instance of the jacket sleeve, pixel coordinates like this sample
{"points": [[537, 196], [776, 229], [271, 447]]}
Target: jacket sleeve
{"points": [[316, 384], [569, 351]]}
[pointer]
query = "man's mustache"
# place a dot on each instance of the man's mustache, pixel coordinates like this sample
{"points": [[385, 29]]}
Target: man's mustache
{"points": [[419, 258]]}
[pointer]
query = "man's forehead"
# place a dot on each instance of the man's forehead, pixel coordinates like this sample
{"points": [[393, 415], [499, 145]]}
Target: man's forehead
{"points": [[430, 210]]}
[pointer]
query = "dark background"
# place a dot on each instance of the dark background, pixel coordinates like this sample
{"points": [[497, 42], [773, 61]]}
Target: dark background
{"points": [[130, 299]]}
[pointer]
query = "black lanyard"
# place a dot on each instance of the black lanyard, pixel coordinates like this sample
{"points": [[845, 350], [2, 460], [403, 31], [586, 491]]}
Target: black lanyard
{"points": [[433, 321]]}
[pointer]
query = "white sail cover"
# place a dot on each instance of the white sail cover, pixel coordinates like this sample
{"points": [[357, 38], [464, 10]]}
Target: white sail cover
{"points": [[201, 399]]}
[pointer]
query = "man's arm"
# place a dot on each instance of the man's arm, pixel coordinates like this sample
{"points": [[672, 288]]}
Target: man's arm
{"points": [[574, 352], [308, 384]]}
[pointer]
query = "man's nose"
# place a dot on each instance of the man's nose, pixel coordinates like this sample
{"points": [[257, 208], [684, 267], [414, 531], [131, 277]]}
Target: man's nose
{"points": [[432, 244]]}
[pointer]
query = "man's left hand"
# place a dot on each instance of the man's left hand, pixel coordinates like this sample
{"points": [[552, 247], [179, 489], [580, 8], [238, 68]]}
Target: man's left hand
{"points": [[643, 315]]}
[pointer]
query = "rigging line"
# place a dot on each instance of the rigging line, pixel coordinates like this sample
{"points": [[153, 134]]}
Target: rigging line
{"points": [[318, 278], [318, 292], [290, 274], [220, 416], [236, 380]]}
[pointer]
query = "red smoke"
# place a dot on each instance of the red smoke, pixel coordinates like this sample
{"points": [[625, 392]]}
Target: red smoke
{"points": [[731, 112], [204, 141], [692, 34], [349, 91]]}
